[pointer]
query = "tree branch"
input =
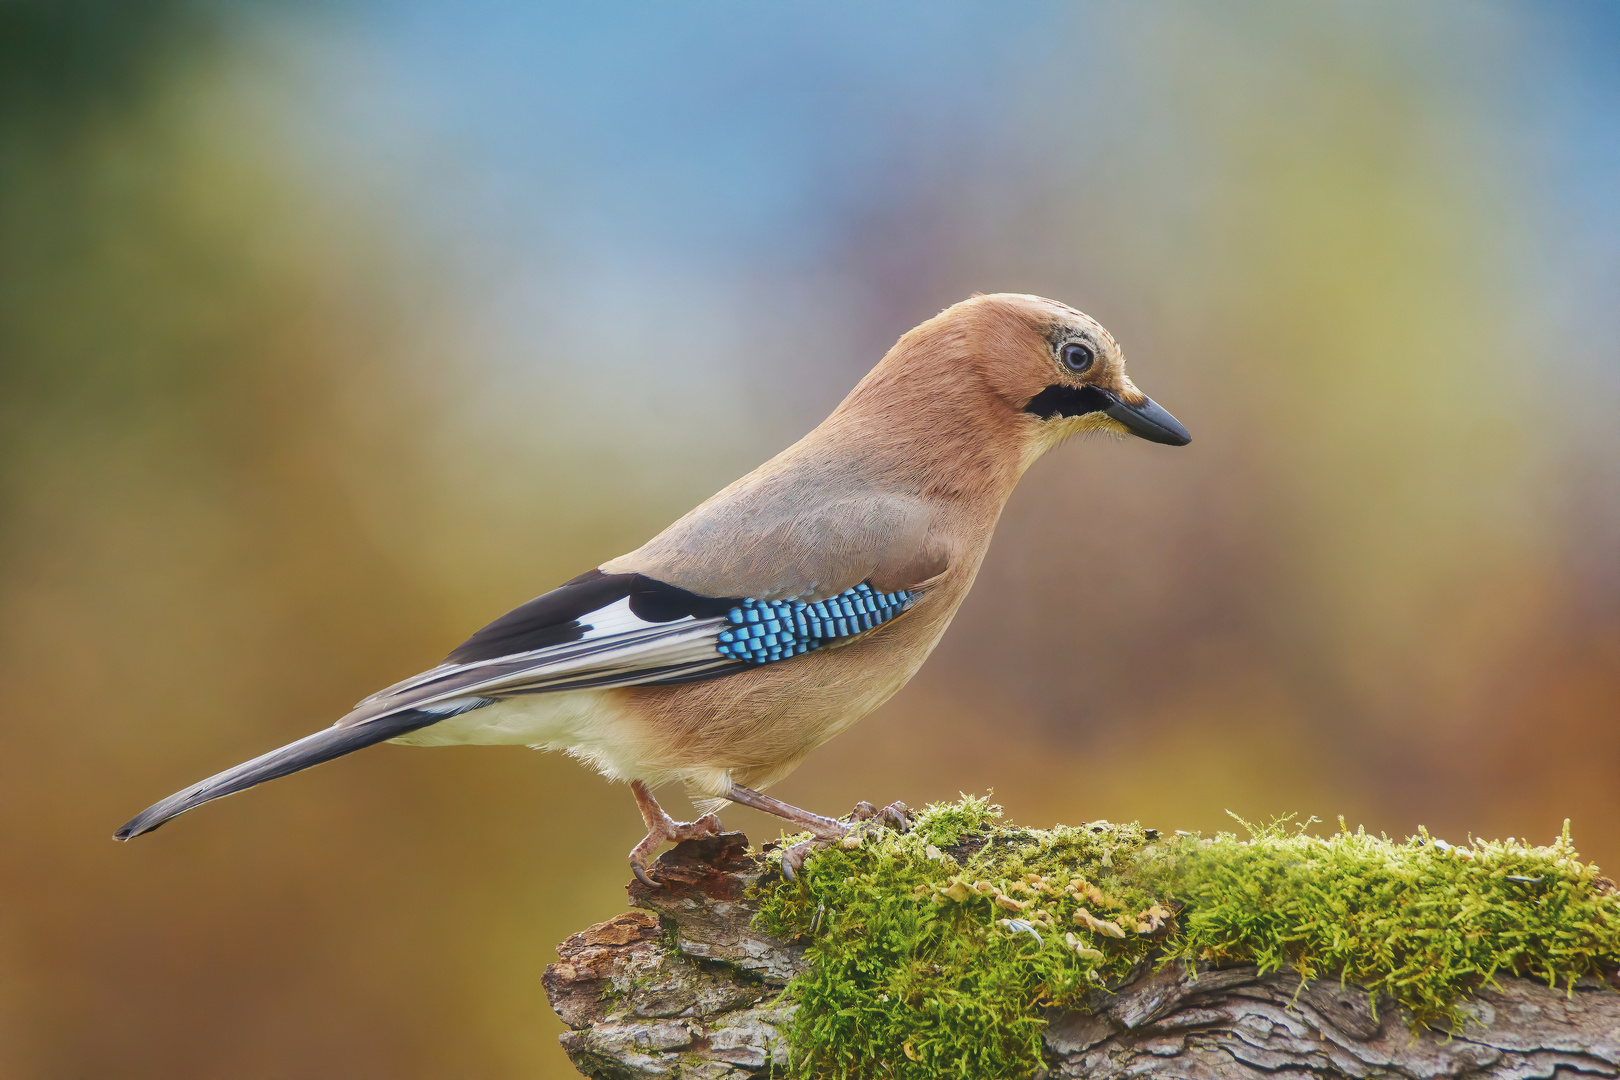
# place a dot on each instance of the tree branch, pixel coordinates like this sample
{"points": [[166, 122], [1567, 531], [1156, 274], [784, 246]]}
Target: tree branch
{"points": [[685, 986]]}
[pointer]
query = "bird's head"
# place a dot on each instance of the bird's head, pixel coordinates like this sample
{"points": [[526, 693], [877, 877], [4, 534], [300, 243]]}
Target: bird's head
{"points": [[997, 379], [1061, 370]]}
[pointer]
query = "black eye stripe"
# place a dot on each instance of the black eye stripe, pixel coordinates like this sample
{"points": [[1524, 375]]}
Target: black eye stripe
{"points": [[1077, 356]]}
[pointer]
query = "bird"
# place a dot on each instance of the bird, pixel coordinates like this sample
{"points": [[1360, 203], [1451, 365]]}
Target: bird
{"points": [[782, 609]]}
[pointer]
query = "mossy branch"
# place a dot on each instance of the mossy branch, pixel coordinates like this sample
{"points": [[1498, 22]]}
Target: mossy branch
{"points": [[972, 948]]}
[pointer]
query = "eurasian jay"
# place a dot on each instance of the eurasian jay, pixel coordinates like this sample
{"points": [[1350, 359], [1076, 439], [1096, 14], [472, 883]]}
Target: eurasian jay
{"points": [[783, 609]]}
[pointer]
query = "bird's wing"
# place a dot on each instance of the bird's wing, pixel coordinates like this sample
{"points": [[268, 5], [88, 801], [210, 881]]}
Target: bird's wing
{"points": [[605, 630], [598, 630], [755, 564]]}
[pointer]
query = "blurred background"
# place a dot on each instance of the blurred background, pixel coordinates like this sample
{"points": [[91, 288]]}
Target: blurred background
{"points": [[328, 332]]}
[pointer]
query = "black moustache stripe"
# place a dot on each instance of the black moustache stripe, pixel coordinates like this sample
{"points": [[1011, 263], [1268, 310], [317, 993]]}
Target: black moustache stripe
{"points": [[1061, 400]]}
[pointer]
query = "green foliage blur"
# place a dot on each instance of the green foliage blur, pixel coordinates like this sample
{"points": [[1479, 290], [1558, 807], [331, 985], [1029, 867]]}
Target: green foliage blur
{"points": [[265, 447]]}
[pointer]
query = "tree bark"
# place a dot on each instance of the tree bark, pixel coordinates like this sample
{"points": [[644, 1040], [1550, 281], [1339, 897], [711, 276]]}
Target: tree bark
{"points": [[685, 987]]}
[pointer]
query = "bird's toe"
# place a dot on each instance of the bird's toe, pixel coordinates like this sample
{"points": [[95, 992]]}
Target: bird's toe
{"points": [[793, 856], [897, 815]]}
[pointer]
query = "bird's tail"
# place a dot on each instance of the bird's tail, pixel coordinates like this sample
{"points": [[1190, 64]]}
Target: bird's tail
{"points": [[310, 750]]}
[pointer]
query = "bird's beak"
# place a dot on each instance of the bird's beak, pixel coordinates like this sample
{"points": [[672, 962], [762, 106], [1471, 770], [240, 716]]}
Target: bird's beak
{"points": [[1147, 420]]}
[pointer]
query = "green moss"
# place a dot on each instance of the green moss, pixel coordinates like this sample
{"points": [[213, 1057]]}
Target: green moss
{"points": [[933, 953]]}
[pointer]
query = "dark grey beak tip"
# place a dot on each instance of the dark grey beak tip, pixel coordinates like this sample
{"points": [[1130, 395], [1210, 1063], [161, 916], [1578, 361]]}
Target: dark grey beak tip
{"points": [[1149, 421]]}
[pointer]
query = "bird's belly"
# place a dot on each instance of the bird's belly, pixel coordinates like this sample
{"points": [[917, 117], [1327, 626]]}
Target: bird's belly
{"points": [[591, 725], [756, 726]]}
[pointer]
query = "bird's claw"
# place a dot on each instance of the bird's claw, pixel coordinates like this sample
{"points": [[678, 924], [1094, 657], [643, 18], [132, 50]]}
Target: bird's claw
{"points": [[793, 857], [865, 817], [897, 816], [667, 829]]}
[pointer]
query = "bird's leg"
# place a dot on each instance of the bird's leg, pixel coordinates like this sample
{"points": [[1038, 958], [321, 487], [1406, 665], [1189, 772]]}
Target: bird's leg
{"points": [[824, 829], [662, 827]]}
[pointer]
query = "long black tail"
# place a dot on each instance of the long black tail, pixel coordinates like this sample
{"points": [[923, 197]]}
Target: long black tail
{"points": [[310, 750]]}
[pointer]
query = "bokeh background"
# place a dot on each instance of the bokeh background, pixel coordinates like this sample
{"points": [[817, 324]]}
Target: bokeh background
{"points": [[329, 332]]}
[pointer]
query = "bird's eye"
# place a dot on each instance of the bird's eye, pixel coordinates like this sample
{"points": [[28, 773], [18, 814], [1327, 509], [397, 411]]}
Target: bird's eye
{"points": [[1077, 357]]}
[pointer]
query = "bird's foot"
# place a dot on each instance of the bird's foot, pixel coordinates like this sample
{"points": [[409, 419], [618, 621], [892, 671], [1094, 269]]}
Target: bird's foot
{"points": [[897, 815], [862, 820], [661, 828], [674, 832]]}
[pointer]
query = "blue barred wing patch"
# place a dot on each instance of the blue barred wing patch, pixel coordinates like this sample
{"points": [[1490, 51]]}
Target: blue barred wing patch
{"points": [[763, 631]]}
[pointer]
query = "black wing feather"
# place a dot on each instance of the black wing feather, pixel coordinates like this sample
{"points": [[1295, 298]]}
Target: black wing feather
{"points": [[551, 619], [561, 615]]}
